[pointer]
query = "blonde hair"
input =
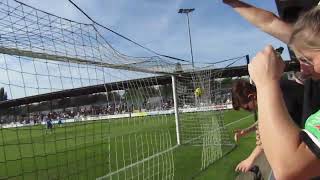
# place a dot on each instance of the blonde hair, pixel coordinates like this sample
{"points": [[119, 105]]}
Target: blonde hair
{"points": [[306, 31]]}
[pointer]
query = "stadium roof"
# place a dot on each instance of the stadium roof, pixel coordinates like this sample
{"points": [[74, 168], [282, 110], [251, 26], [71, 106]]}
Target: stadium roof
{"points": [[288, 11], [122, 85]]}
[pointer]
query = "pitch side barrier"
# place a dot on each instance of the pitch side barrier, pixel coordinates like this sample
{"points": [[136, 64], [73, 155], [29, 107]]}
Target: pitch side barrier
{"points": [[128, 115]]}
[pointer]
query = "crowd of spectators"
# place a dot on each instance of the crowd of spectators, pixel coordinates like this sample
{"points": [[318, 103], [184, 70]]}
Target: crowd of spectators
{"points": [[83, 111]]}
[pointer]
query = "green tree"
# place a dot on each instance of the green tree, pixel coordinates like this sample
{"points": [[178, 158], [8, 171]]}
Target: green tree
{"points": [[226, 82], [166, 91], [114, 96]]}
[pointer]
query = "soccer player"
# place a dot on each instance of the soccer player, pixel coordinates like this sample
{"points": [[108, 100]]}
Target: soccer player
{"points": [[49, 122], [60, 121], [49, 125]]}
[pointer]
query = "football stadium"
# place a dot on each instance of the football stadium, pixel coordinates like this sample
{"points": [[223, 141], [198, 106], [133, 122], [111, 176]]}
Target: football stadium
{"points": [[75, 106]]}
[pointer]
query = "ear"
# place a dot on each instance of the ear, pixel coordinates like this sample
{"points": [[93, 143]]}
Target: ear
{"points": [[252, 96]]}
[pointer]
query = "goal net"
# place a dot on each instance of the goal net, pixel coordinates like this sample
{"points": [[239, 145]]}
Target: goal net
{"points": [[202, 103], [73, 107]]}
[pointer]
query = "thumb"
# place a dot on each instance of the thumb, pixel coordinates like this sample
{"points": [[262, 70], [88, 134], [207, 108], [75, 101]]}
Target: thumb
{"points": [[269, 49]]}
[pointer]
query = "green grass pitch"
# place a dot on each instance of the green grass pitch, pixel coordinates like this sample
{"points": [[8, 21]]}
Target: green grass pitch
{"points": [[90, 149]]}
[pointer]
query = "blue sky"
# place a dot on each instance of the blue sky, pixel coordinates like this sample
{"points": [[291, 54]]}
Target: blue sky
{"points": [[217, 31]]}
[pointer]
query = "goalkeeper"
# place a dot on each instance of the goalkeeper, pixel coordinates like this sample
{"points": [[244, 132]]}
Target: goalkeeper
{"points": [[244, 96], [198, 94]]}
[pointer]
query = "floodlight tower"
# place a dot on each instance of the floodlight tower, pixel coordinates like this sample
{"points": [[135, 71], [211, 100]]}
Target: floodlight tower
{"points": [[187, 11]]}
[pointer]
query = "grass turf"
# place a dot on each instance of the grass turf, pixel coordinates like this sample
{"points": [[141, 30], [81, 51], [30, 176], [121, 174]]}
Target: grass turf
{"points": [[90, 149]]}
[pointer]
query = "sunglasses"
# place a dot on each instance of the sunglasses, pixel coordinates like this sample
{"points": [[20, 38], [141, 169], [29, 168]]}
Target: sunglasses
{"points": [[305, 61], [301, 58]]}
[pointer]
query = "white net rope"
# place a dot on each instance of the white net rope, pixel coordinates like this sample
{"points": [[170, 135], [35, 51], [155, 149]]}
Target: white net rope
{"points": [[202, 102], [141, 145], [211, 100], [109, 131], [112, 114], [29, 32], [101, 104]]}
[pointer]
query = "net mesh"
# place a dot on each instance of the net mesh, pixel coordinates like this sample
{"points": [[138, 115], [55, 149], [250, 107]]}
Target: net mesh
{"points": [[73, 107], [200, 92], [29, 32], [202, 103], [70, 108]]}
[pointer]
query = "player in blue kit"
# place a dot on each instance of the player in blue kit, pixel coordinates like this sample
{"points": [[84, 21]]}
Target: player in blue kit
{"points": [[49, 125]]}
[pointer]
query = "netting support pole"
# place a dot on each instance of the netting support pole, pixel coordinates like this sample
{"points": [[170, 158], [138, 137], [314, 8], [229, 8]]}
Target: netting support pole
{"points": [[176, 110]]}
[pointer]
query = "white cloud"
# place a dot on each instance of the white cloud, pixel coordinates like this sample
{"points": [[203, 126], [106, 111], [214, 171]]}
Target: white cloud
{"points": [[217, 32]]}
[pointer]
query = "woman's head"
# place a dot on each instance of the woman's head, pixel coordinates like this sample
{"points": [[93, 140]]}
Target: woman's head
{"points": [[244, 95], [305, 41]]}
